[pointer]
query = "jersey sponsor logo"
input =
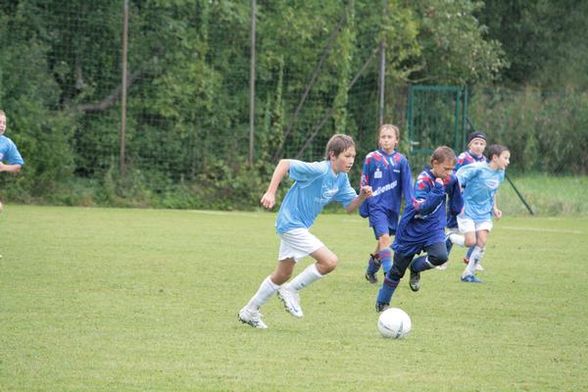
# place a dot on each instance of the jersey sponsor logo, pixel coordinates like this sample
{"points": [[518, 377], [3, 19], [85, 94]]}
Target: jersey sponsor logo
{"points": [[385, 188], [328, 194]]}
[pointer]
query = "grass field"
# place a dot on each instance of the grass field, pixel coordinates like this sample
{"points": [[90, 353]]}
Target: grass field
{"points": [[146, 300]]}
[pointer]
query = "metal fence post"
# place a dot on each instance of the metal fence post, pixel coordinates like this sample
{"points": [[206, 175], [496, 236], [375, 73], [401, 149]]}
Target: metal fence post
{"points": [[252, 85], [123, 105]]}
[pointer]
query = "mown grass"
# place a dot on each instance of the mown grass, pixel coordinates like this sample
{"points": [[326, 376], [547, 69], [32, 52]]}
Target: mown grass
{"points": [[547, 195], [135, 300]]}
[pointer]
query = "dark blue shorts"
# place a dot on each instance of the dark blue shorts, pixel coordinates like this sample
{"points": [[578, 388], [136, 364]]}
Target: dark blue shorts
{"points": [[383, 221]]}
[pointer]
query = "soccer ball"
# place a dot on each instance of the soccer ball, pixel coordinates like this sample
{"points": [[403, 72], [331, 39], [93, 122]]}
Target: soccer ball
{"points": [[394, 323]]}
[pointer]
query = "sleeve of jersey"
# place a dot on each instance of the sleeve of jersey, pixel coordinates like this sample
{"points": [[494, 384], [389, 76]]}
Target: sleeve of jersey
{"points": [[13, 156], [304, 171], [366, 172], [407, 183], [428, 195], [465, 173], [346, 193], [455, 197], [462, 160]]}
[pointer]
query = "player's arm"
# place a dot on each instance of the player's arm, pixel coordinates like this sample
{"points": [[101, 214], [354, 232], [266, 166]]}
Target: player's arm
{"points": [[455, 197], [407, 188], [268, 199], [364, 193], [497, 212], [10, 168], [428, 196]]}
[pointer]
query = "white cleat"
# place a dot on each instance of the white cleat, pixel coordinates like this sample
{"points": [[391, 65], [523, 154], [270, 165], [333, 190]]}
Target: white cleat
{"points": [[252, 317], [443, 266], [291, 301]]}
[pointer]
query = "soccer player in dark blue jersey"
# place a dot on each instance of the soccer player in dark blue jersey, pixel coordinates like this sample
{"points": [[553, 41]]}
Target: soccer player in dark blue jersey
{"points": [[388, 173], [422, 226], [475, 153]]}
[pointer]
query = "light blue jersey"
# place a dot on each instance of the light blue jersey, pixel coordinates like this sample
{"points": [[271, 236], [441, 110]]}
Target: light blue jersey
{"points": [[481, 183], [315, 186], [9, 153]]}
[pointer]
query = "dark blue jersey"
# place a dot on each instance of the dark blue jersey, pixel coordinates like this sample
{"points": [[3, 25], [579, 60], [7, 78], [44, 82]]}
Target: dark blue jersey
{"points": [[423, 221], [390, 178]]}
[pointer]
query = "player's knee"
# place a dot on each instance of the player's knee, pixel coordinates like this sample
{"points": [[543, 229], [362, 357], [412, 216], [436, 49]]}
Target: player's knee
{"points": [[328, 264], [280, 277], [469, 242], [438, 259], [437, 255]]}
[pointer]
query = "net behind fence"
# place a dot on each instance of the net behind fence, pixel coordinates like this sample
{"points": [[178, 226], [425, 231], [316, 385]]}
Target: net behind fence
{"points": [[318, 68]]}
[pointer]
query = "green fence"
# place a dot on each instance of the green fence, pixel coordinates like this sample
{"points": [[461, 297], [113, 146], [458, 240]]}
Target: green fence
{"points": [[436, 115]]}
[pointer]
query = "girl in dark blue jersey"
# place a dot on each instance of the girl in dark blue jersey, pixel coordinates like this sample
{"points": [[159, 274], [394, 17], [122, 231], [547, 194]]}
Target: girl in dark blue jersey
{"points": [[422, 226], [388, 173]]}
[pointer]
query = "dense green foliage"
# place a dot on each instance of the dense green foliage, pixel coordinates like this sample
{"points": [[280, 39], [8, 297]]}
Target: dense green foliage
{"points": [[317, 72], [133, 300]]}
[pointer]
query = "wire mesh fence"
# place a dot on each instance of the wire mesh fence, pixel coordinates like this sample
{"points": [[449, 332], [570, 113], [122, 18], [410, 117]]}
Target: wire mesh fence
{"points": [[187, 113]]}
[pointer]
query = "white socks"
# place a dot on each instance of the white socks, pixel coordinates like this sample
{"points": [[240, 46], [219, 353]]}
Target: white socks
{"points": [[306, 277], [457, 239], [265, 291], [269, 288], [475, 258]]}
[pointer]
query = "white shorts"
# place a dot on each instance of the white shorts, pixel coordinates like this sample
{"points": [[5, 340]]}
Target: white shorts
{"points": [[467, 225], [298, 243]]}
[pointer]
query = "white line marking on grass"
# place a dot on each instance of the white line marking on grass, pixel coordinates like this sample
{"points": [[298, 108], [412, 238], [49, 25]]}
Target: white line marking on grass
{"points": [[541, 230]]}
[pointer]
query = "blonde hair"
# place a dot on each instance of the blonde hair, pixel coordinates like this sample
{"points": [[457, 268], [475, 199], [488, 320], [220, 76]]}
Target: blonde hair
{"points": [[389, 126]]}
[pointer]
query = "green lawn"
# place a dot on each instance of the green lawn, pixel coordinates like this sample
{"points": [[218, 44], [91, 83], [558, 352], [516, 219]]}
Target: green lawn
{"points": [[146, 300]]}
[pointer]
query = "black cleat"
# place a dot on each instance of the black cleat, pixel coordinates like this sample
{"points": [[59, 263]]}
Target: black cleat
{"points": [[371, 276], [415, 280]]}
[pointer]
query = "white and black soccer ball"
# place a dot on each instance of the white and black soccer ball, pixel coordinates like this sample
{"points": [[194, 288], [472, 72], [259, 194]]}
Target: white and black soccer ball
{"points": [[394, 323]]}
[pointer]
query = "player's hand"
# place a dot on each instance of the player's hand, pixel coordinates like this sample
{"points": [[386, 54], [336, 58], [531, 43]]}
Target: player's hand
{"points": [[268, 200], [439, 181], [497, 213], [365, 191]]}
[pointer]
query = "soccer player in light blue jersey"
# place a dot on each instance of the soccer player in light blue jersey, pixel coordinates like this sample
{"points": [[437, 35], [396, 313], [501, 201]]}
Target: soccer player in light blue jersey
{"points": [[422, 227], [480, 181], [10, 159], [388, 173], [316, 184], [476, 142]]}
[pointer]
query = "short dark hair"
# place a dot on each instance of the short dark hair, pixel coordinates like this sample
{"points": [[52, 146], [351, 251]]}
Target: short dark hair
{"points": [[496, 149], [442, 154], [337, 144]]}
